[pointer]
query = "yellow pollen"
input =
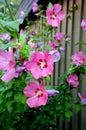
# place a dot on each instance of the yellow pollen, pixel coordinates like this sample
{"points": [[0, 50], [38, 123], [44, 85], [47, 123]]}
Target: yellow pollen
{"points": [[53, 16], [38, 93], [42, 64]]}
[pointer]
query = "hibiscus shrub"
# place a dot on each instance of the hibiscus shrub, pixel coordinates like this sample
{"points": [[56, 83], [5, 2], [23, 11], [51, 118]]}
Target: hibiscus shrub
{"points": [[26, 66]]}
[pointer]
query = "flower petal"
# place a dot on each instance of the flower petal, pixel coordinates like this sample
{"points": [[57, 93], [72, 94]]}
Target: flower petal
{"points": [[29, 90], [32, 102], [8, 75]]}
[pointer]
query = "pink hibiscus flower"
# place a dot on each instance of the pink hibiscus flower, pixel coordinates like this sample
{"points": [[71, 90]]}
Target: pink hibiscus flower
{"points": [[5, 37], [83, 24], [40, 64], [7, 62], [21, 15], [72, 80], [59, 37], [53, 45], [83, 98], [35, 7], [54, 15], [79, 58], [36, 93]]}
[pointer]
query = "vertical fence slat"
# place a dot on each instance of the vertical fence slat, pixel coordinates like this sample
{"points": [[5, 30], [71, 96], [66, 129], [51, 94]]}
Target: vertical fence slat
{"points": [[76, 38], [83, 38]]}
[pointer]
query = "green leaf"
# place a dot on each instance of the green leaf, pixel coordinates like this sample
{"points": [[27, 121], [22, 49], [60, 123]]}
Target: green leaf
{"points": [[59, 107], [22, 38], [48, 79], [49, 87], [1, 98], [50, 5], [11, 24], [13, 32], [47, 47], [20, 108], [9, 94], [25, 51], [68, 104], [5, 46], [68, 114], [10, 128], [9, 106], [2, 89], [20, 98], [78, 107]]}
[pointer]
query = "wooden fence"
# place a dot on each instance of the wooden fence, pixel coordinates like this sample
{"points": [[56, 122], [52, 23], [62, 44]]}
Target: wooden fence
{"points": [[73, 29]]}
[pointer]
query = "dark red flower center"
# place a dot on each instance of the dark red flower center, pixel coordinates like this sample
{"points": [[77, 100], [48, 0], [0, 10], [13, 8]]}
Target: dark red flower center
{"points": [[39, 93], [53, 16], [42, 63]]}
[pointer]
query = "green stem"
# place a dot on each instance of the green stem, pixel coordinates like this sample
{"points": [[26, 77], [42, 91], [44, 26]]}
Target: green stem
{"points": [[11, 16], [72, 69], [9, 10]]}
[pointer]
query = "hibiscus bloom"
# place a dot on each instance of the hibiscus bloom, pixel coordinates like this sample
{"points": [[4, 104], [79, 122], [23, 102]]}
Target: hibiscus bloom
{"points": [[59, 37], [79, 58], [36, 93], [40, 64], [83, 24], [5, 37], [72, 80], [35, 7], [7, 62], [54, 15], [53, 45], [83, 98]]}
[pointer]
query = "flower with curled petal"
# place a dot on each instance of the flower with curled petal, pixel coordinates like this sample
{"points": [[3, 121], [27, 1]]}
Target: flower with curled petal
{"points": [[72, 80], [36, 93]]}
